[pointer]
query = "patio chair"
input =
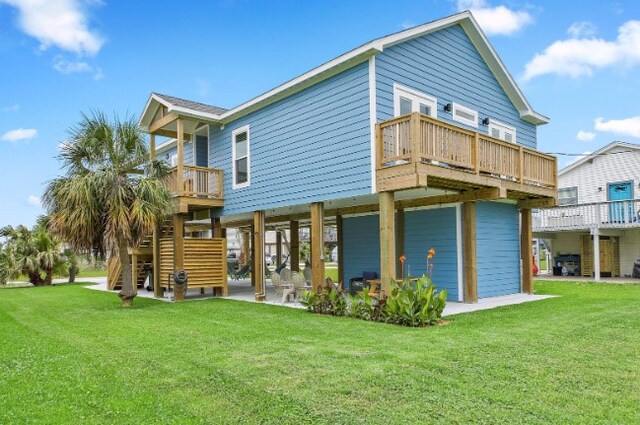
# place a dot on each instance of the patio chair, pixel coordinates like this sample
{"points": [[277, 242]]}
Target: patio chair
{"points": [[282, 290], [242, 273], [285, 275], [299, 285], [282, 265]]}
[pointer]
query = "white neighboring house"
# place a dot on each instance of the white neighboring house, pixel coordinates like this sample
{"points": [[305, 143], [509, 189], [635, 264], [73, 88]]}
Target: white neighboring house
{"points": [[598, 212]]}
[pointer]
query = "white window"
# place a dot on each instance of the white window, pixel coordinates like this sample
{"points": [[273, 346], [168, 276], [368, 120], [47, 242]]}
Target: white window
{"points": [[406, 101], [502, 131], [174, 160], [465, 115], [568, 195], [241, 157]]}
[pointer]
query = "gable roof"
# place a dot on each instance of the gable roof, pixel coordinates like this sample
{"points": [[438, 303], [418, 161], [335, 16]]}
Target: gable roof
{"points": [[350, 59], [602, 150]]}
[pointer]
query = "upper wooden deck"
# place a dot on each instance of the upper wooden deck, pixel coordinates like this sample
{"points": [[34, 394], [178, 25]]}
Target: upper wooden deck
{"points": [[417, 151], [195, 188]]}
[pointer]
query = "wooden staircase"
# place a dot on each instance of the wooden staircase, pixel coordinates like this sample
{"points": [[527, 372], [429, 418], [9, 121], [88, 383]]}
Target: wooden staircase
{"points": [[144, 260]]}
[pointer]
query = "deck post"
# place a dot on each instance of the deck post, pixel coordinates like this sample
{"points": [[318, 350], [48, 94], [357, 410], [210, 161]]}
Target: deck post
{"points": [[399, 242], [317, 245], [387, 242], [245, 248], [278, 247], [526, 250], [250, 257], [339, 233], [258, 255], [294, 245], [152, 146], [178, 246], [470, 254], [157, 282], [180, 164], [596, 254], [216, 227]]}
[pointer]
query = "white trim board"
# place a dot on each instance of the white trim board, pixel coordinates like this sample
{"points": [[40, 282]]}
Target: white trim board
{"points": [[373, 118]]}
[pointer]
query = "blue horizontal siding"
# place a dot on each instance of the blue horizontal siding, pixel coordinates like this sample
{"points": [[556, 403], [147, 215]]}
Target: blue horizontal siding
{"points": [[498, 249], [361, 245], [433, 228], [312, 146], [446, 65]]}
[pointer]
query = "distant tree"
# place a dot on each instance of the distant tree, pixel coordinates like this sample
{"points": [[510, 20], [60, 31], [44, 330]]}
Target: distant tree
{"points": [[110, 197], [35, 253]]}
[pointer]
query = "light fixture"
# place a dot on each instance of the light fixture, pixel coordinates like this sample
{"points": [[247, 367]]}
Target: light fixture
{"points": [[485, 121], [448, 107]]}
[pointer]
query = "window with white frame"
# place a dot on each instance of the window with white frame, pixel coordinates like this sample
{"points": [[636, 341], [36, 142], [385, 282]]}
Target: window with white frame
{"points": [[465, 115], [241, 157], [568, 195], [407, 100], [502, 131]]}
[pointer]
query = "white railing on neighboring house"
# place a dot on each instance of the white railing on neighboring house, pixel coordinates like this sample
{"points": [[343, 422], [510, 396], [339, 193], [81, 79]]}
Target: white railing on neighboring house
{"points": [[597, 215]]}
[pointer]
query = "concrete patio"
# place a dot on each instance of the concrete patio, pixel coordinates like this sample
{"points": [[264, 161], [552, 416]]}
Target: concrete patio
{"points": [[241, 290]]}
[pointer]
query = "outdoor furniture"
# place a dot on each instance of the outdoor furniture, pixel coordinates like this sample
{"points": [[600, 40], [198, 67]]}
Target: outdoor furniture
{"points": [[356, 284], [242, 273], [374, 289], [282, 265], [283, 290], [299, 285], [285, 275]]}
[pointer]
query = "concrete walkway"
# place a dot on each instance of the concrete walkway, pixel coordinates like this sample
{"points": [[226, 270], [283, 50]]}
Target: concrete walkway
{"points": [[241, 290]]}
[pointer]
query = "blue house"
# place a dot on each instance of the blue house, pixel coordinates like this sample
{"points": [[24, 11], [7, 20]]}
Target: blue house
{"points": [[416, 140]]}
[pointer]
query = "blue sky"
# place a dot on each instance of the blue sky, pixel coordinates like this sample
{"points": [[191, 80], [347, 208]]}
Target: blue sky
{"points": [[577, 62]]}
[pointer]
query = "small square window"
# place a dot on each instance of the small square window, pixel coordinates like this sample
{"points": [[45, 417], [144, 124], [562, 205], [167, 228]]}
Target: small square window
{"points": [[568, 195], [502, 131], [407, 100]]}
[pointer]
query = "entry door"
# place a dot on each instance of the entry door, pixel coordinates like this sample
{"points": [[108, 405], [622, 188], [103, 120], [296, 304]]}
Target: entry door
{"points": [[201, 151], [619, 210]]}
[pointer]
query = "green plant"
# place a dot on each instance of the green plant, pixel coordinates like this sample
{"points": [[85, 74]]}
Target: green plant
{"points": [[361, 306], [329, 301], [419, 306]]}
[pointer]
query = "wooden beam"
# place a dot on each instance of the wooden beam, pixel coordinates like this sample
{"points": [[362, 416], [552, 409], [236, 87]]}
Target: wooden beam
{"points": [[339, 233], [278, 247], [467, 195], [537, 203], [399, 242], [294, 244], [152, 146], [172, 134], [250, 260], [165, 120], [387, 242], [245, 248], [317, 245], [216, 227], [470, 254], [180, 165], [178, 242], [526, 250], [157, 288], [258, 255]]}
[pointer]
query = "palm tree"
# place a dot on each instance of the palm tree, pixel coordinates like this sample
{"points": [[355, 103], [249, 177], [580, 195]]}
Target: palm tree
{"points": [[110, 197], [33, 252]]}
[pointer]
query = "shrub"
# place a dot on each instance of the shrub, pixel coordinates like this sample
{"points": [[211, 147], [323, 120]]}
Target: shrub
{"points": [[409, 304], [419, 306]]}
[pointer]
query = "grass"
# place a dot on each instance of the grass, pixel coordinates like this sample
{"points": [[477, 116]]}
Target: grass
{"points": [[72, 355]]}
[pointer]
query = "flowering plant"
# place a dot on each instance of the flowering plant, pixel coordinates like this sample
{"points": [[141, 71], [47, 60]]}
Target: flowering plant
{"points": [[430, 254]]}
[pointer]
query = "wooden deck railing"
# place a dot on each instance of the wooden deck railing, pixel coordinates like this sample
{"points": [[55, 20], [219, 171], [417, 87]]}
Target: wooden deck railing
{"points": [[603, 215], [199, 182], [420, 138]]}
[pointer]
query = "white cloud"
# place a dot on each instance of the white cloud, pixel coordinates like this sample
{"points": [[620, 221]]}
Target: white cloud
{"points": [[34, 201], [585, 136], [498, 20], [19, 134], [582, 29], [627, 126], [60, 23], [64, 66], [576, 57], [11, 108]]}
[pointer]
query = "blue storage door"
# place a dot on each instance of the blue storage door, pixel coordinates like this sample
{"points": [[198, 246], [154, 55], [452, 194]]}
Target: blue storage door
{"points": [[620, 211]]}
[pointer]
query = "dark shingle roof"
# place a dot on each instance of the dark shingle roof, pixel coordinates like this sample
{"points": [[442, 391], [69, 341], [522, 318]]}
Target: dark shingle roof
{"points": [[196, 106]]}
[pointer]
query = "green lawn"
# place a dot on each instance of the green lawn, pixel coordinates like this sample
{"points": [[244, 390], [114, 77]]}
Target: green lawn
{"points": [[72, 355]]}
